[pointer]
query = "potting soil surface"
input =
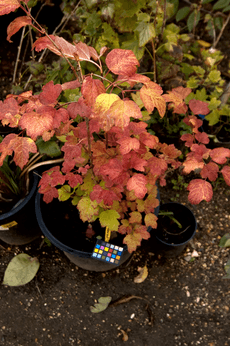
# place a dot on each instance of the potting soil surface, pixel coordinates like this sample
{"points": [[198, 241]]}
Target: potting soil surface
{"points": [[186, 300]]}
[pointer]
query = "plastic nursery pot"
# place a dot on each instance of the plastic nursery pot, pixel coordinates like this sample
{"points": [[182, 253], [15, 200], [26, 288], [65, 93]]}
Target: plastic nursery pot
{"points": [[67, 234], [170, 238], [19, 226]]}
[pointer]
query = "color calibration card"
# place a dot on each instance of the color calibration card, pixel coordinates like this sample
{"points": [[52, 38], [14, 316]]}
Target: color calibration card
{"points": [[107, 252]]}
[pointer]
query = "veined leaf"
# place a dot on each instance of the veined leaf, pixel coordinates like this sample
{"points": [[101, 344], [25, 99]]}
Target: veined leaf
{"points": [[109, 218], [182, 13], [146, 32], [21, 270]]}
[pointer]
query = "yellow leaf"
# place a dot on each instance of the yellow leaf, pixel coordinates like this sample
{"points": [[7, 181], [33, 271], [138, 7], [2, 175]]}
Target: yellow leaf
{"points": [[203, 43], [143, 273]]}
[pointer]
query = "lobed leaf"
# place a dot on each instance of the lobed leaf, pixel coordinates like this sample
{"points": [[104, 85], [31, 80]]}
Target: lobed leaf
{"points": [[7, 6], [109, 218], [220, 155], [137, 183], [151, 97]]}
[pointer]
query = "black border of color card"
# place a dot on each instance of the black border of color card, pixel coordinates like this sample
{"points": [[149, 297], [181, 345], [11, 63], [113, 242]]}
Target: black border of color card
{"points": [[106, 252]]}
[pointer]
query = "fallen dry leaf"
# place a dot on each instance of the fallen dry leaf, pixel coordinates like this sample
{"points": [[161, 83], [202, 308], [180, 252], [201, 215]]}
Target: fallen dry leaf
{"points": [[142, 276], [125, 335]]}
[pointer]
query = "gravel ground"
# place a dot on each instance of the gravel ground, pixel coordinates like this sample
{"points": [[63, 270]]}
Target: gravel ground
{"points": [[188, 301]]}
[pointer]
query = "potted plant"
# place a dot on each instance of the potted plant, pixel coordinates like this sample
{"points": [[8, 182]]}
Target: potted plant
{"points": [[111, 164]]}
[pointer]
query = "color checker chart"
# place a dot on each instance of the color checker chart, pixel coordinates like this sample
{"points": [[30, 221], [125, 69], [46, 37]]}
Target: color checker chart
{"points": [[107, 252]]}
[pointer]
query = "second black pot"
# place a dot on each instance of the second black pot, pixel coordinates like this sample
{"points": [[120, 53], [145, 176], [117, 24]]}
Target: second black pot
{"points": [[170, 239]]}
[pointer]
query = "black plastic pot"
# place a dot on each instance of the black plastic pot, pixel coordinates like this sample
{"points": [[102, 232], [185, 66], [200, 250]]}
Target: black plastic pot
{"points": [[81, 258], [171, 240], [19, 226]]}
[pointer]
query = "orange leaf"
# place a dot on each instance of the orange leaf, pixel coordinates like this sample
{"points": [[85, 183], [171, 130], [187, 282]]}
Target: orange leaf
{"points": [[191, 164], [101, 110], [21, 146], [16, 25], [151, 220], [199, 190], [138, 183], [133, 240], [135, 217], [121, 111], [143, 273], [122, 62], [132, 80], [151, 97], [91, 88]]}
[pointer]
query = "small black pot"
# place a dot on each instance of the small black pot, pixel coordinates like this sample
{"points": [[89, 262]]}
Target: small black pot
{"points": [[171, 240], [67, 237], [19, 226]]}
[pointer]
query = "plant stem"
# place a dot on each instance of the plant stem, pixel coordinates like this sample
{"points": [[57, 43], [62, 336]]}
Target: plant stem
{"points": [[18, 55], [221, 31]]}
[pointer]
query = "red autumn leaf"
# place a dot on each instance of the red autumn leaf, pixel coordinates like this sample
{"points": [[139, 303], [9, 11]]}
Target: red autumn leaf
{"points": [[151, 97], [16, 25], [193, 122], [72, 154], [79, 108], [188, 138], [191, 164], [177, 96], [99, 194], [199, 190], [122, 62], [73, 179], [132, 80], [226, 174], [157, 166], [219, 155], [50, 93], [61, 116], [9, 112], [79, 50], [21, 146], [127, 144], [183, 92], [37, 123], [91, 88], [202, 137], [137, 128], [199, 152], [93, 53], [149, 140], [113, 168], [7, 6], [138, 163], [142, 230], [199, 107], [210, 171], [137, 183], [71, 85], [49, 194]]}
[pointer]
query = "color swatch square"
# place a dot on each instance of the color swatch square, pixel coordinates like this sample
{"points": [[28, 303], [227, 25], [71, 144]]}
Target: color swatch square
{"points": [[107, 252]]}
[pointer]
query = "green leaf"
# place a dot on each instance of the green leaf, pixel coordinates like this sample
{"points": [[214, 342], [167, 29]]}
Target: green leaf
{"points": [[35, 67], [102, 304], [143, 17], [88, 209], [108, 218], [182, 13], [227, 269], [49, 148], [64, 193], [146, 32], [199, 70], [171, 7], [193, 82], [191, 20], [221, 4], [214, 76], [225, 240], [134, 46], [21, 270], [213, 117], [226, 8], [214, 103], [206, 2]]}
